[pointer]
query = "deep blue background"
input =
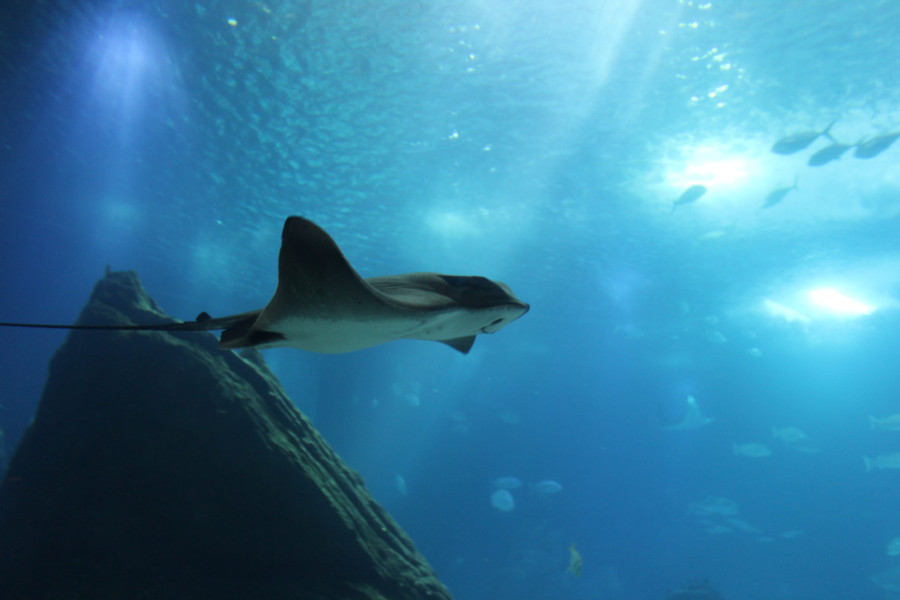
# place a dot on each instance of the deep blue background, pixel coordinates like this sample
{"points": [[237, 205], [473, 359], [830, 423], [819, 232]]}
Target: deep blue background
{"points": [[542, 146]]}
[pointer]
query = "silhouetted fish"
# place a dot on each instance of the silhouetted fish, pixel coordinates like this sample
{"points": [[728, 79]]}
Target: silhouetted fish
{"points": [[875, 146], [690, 195], [828, 154], [801, 140], [776, 196]]}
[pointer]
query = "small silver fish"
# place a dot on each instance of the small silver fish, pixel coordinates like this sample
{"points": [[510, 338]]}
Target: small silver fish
{"points": [[507, 483], [547, 486], [776, 196], [893, 547], [888, 423], [801, 140], [876, 145], [828, 154], [690, 195], [789, 435], [751, 449], [884, 461], [503, 501]]}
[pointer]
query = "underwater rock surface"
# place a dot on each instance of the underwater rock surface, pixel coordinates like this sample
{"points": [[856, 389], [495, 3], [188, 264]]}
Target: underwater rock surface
{"points": [[159, 466]]}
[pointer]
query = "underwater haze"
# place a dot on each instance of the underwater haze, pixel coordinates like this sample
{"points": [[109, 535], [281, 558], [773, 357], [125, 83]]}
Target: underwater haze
{"points": [[706, 386]]}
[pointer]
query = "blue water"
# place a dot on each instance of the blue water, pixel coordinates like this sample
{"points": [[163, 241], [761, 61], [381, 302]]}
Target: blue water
{"points": [[541, 144]]}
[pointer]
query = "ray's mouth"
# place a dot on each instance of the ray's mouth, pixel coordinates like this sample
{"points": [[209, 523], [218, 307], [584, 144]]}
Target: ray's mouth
{"points": [[493, 326]]}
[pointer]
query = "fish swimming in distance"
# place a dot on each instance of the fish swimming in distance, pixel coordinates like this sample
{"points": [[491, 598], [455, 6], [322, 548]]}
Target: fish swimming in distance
{"points": [[888, 580], [400, 484], [690, 195], [742, 525], [800, 141], [789, 435], [828, 154], [507, 483], [576, 563], [322, 305], [796, 439], [876, 145], [888, 423], [884, 461], [503, 501], [751, 449], [714, 506], [548, 486], [776, 196], [893, 547]]}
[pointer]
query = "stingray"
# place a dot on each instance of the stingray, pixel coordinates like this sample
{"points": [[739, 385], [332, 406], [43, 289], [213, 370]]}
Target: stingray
{"points": [[692, 419], [322, 305]]}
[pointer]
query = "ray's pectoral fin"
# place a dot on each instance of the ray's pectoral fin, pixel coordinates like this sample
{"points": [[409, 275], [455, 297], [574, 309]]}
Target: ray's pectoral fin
{"points": [[463, 344], [316, 286], [314, 276]]}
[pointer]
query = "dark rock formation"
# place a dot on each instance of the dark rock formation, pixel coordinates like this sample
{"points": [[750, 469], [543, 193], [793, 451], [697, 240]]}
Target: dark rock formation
{"points": [[159, 467]]}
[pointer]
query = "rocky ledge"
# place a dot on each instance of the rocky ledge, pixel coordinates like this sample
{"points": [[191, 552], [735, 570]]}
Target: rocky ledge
{"points": [[160, 467]]}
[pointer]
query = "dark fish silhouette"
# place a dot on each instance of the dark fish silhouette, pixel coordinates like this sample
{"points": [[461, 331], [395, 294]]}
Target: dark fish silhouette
{"points": [[801, 140], [876, 145], [776, 196], [322, 305], [690, 195], [828, 154]]}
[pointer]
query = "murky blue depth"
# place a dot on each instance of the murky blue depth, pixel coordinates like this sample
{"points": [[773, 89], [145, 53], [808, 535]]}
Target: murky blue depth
{"points": [[552, 146]]}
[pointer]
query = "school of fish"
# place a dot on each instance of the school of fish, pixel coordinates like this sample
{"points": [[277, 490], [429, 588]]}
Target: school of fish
{"points": [[866, 148]]}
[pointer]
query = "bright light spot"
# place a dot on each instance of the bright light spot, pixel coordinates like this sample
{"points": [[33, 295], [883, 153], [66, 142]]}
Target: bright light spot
{"points": [[132, 72], [452, 224], [838, 303], [232, 22], [714, 165], [785, 312], [723, 166], [121, 213], [728, 170]]}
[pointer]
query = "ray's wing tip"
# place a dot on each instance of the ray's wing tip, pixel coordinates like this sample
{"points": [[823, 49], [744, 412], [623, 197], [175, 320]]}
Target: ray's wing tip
{"points": [[301, 230], [297, 223]]}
